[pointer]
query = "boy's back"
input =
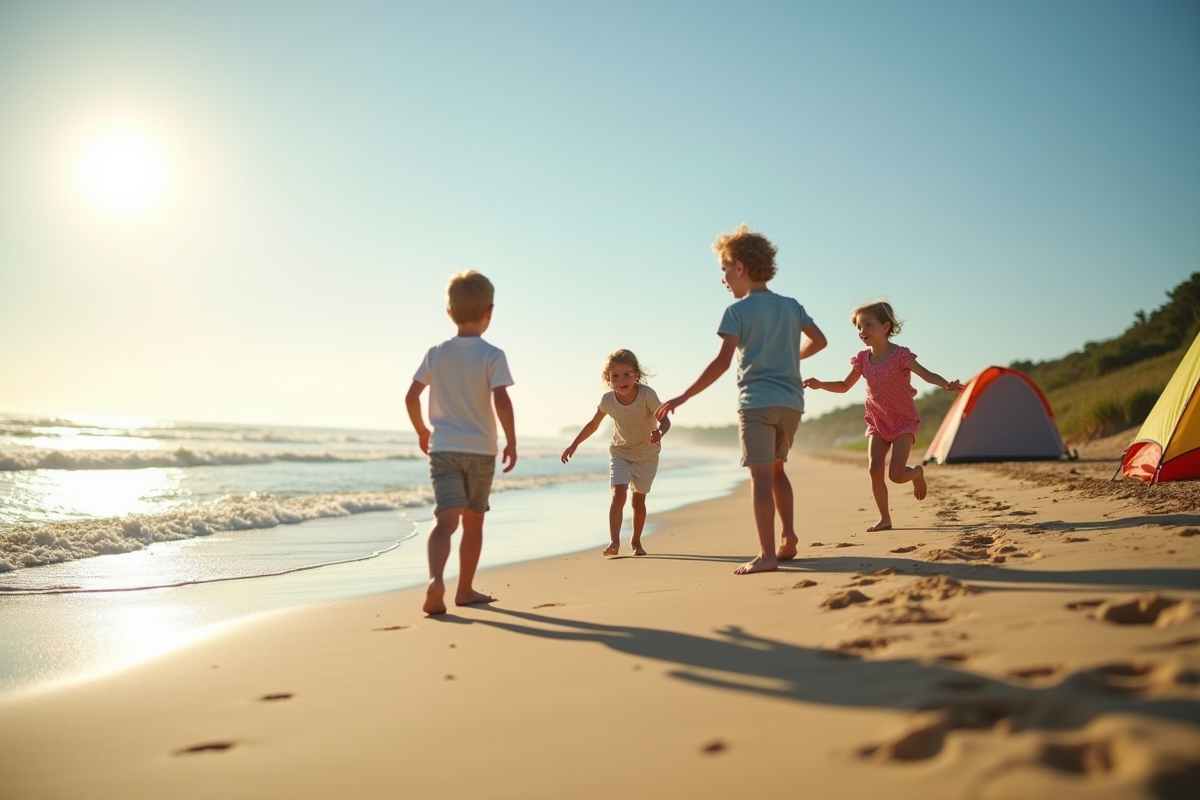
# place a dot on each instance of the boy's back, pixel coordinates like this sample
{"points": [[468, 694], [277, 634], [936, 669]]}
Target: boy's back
{"points": [[767, 326], [461, 374]]}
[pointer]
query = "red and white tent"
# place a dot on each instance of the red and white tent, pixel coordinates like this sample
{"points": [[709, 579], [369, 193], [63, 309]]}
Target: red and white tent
{"points": [[1000, 416]]}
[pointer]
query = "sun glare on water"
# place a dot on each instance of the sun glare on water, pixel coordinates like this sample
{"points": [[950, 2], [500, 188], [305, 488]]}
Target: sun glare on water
{"points": [[123, 172]]}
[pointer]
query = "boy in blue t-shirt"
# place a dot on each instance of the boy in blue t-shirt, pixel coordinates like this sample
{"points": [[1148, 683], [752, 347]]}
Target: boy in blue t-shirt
{"points": [[770, 333]]}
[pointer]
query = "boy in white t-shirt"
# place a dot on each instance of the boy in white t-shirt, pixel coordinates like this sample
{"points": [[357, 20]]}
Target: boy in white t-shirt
{"points": [[465, 376]]}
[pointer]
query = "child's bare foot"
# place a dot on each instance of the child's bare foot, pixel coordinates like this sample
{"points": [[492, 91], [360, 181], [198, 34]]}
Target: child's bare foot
{"points": [[787, 548], [612, 549], [884, 524], [759, 564], [637, 549], [435, 598], [471, 598], [919, 488]]}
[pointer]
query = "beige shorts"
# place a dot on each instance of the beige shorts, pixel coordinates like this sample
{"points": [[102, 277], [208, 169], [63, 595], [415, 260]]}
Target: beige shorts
{"points": [[639, 475], [766, 434], [461, 480]]}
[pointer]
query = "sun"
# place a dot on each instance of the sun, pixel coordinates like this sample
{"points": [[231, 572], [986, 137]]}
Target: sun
{"points": [[123, 172]]}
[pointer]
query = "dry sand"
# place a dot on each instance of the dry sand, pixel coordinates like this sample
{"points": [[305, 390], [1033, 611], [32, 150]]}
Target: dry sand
{"points": [[1023, 633]]}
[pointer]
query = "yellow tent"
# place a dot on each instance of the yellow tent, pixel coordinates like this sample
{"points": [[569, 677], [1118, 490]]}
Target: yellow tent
{"points": [[1167, 448]]}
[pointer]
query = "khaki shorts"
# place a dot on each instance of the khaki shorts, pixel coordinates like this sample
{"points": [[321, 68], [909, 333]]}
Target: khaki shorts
{"points": [[461, 480], [638, 474], [766, 434]]}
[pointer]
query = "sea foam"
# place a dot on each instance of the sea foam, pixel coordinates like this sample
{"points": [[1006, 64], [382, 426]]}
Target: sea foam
{"points": [[21, 459], [31, 546]]}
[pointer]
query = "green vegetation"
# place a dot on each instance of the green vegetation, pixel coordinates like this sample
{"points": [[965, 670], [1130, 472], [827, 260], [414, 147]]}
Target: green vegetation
{"points": [[1104, 388]]}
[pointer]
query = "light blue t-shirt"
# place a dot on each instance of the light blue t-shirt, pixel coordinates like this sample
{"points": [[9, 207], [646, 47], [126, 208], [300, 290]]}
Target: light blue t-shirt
{"points": [[768, 328]]}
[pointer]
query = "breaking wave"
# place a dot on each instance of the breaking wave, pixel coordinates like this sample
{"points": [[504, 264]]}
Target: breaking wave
{"points": [[15, 460], [33, 546]]}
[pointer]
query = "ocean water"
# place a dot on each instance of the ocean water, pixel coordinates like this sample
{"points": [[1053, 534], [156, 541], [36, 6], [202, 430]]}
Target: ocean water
{"points": [[123, 538]]}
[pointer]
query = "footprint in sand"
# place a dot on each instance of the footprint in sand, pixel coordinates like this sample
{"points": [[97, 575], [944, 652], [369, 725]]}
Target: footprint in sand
{"points": [[1149, 609], [867, 645], [391, 628], [209, 747], [848, 544], [272, 698], [1189, 532], [1036, 673], [927, 737], [1076, 539], [714, 747], [845, 599], [804, 584], [1134, 678], [907, 549], [550, 605]]}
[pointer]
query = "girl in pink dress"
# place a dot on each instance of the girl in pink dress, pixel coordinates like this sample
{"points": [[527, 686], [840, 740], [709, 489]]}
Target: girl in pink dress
{"points": [[892, 418]]}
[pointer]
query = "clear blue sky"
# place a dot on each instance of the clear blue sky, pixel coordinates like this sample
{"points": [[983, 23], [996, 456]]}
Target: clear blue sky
{"points": [[1017, 177]]}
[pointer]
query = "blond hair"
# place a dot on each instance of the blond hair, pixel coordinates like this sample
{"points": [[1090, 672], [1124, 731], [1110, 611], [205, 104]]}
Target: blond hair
{"points": [[469, 295], [880, 310], [754, 250], [627, 358]]}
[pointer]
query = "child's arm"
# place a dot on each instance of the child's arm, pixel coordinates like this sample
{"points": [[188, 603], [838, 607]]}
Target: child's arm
{"points": [[814, 341], [587, 431], [838, 387], [715, 369], [504, 411], [664, 425], [412, 401], [934, 378]]}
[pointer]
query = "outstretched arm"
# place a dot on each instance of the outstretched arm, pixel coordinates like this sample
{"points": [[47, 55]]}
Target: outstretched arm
{"points": [[715, 369], [588, 430], [814, 341], [837, 387], [412, 402], [934, 378], [504, 412]]}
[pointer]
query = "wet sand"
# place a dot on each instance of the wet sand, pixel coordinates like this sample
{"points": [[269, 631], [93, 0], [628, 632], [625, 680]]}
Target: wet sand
{"points": [[1023, 632]]}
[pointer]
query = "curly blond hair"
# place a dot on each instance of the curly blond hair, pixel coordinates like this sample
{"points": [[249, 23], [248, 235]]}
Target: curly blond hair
{"points": [[750, 247], [627, 358], [880, 310], [469, 295]]}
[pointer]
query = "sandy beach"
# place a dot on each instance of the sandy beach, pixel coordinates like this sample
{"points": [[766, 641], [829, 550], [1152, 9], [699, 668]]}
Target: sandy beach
{"points": [[1024, 632]]}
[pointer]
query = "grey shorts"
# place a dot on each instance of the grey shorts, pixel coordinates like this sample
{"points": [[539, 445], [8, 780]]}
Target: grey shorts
{"points": [[766, 434], [461, 480], [639, 475]]}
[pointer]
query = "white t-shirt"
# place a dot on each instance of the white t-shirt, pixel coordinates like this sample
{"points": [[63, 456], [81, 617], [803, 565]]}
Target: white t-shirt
{"points": [[461, 374], [632, 424]]}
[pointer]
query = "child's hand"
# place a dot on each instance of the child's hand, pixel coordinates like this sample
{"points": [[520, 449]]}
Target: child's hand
{"points": [[669, 406], [812, 383], [423, 440], [954, 386], [509, 457], [566, 456], [656, 436]]}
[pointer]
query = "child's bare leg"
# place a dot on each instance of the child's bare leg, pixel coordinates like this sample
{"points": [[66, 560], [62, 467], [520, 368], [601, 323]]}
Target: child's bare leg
{"points": [[781, 490], [900, 472], [438, 548], [877, 466], [639, 521], [615, 511], [761, 483], [469, 550]]}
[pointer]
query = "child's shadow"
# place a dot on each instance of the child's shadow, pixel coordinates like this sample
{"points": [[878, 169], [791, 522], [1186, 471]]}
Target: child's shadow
{"points": [[739, 661]]}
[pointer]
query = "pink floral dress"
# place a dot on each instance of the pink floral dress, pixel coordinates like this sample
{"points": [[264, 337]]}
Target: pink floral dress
{"points": [[891, 412]]}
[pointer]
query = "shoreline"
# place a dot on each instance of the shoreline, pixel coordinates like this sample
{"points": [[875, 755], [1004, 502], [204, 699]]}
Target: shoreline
{"points": [[47, 638], [923, 661]]}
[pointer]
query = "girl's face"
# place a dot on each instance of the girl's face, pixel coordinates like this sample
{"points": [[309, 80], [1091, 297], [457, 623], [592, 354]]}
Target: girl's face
{"points": [[873, 332], [622, 378]]}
